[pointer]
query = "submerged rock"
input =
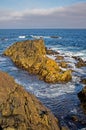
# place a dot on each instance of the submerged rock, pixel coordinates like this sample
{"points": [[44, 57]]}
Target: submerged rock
{"points": [[82, 97], [20, 110], [54, 36], [31, 56], [83, 80]]}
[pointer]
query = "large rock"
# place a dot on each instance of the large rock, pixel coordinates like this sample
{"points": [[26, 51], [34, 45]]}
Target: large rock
{"points": [[20, 110], [82, 97], [31, 56]]}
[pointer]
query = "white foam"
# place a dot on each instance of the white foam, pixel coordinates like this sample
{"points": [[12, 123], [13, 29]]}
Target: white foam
{"points": [[13, 68], [45, 37], [51, 57], [36, 37], [2, 59], [22, 37]]}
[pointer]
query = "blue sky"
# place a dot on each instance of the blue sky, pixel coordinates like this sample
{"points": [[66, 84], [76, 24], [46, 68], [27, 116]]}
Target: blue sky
{"points": [[43, 14], [23, 4]]}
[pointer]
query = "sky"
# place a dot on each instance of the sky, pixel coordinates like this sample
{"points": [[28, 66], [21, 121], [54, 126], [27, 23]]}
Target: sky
{"points": [[42, 14]]}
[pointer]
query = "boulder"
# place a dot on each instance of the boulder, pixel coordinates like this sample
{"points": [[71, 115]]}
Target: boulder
{"points": [[63, 64], [83, 80], [31, 56], [82, 97], [20, 110], [59, 57], [51, 52], [80, 62]]}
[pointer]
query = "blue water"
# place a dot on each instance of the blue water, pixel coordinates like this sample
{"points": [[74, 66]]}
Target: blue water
{"points": [[60, 98]]}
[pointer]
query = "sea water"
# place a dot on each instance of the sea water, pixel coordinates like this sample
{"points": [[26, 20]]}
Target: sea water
{"points": [[60, 98]]}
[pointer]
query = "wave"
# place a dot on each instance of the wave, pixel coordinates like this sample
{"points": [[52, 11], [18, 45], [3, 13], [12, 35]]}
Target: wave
{"points": [[65, 52], [4, 39], [22, 36], [36, 37], [45, 37]]}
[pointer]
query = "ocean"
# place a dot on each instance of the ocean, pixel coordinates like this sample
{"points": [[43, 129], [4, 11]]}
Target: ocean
{"points": [[60, 98]]}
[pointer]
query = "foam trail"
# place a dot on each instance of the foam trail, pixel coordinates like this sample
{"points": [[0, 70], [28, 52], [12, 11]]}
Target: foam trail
{"points": [[22, 36], [36, 37]]}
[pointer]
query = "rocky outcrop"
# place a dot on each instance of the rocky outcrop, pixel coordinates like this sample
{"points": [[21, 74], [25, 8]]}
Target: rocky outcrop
{"points": [[63, 64], [83, 81], [50, 51], [59, 58], [82, 97], [31, 56], [80, 62], [20, 110]]}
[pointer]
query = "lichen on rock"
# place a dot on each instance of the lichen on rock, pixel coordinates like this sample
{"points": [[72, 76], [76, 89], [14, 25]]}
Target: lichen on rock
{"points": [[20, 110], [31, 56]]}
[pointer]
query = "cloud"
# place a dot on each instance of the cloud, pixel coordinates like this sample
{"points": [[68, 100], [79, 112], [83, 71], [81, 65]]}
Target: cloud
{"points": [[73, 16]]}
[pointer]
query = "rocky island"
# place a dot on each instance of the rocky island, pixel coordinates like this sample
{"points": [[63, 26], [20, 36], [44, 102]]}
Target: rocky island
{"points": [[31, 55]]}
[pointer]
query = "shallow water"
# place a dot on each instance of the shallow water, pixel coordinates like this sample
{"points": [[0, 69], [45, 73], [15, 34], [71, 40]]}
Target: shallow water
{"points": [[60, 98]]}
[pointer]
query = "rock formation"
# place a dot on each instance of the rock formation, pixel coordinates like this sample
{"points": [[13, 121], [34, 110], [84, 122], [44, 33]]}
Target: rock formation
{"points": [[82, 97], [80, 62], [20, 110], [31, 56]]}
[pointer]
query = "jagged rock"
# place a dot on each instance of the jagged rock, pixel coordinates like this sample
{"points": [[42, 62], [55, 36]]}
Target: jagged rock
{"points": [[82, 97], [83, 81], [75, 118], [63, 64], [51, 52], [31, 56], [20, 110], [59, 57], [80, 62]]}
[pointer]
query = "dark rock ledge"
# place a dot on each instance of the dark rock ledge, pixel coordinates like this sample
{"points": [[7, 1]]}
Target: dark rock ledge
{"points": [[82, 97]]}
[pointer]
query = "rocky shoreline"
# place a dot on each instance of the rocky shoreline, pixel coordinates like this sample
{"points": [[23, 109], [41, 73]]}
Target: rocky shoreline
{"points": [[32, 56], [20, 110]]}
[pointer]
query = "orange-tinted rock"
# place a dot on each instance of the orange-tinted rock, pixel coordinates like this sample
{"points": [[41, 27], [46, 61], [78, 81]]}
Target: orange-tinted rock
{"points": [[59, 57], [31, 56], [63, 64], [20, 110]]}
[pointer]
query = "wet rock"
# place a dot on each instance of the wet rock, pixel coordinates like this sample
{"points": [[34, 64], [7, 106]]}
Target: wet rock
{"points": [[51, 52], [20, 110], [82, 97], [64, 128], [54, 36], [31, 56], [80, 62], [83, 81], [59, 58], [63, 64], [75, 118]]}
